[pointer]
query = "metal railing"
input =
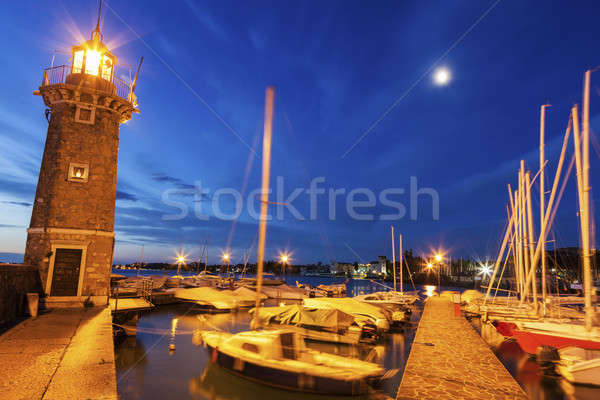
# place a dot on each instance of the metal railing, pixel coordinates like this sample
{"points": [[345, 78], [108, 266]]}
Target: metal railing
{"points": [[123, 89], [55, 75], [59, 74]]}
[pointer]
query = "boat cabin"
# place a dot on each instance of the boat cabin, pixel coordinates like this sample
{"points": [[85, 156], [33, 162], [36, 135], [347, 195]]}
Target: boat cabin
{"points": [[278, 345]]}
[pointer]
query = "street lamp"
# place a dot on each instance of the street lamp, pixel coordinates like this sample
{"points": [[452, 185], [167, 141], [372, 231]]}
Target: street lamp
{"points": [[226, 258], [283, 258], [180, 260]]}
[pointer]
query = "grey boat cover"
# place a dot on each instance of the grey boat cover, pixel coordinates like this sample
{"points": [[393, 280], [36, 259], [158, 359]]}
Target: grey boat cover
{"points": [[328, 319]]}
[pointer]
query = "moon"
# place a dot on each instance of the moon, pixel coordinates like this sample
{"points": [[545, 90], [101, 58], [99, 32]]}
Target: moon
{"points": [[441, 76]]}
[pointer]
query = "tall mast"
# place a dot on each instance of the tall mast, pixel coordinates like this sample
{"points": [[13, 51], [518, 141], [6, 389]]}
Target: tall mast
{"points": [[264, 198], [587, 269], [502, 248], [511, 214], [542, 200], [401, 258], [530, 236], [549, 207], [394, 257], [141, 260], [206, 255]]}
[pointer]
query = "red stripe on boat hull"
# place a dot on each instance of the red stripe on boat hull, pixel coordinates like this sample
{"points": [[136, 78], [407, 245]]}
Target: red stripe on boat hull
{"points": [[529, 341]]}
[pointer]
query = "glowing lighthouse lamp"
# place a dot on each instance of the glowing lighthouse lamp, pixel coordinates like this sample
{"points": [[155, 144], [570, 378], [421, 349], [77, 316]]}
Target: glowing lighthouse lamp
{"points": [[93, 58]]}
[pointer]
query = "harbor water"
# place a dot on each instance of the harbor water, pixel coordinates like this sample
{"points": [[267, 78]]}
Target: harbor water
{"points": [[147, 369]]}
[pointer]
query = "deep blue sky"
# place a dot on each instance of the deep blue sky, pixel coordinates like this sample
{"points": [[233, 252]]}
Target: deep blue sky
{"points": [[337, 66]]}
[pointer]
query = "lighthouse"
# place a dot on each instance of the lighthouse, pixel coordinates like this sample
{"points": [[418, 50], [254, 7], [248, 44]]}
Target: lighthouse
{"points": [[71, 234]]}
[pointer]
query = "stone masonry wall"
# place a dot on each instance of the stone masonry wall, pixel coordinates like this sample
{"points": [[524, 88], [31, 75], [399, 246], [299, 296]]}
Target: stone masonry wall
{"points": [[98, 264], [78, 205], [16, 280]]}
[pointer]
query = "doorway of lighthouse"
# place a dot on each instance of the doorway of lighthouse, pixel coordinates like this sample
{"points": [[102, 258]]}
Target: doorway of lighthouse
{"points": [[65, 274]]}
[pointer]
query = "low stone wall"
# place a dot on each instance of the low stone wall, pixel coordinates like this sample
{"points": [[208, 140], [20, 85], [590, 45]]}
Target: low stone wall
{"points": [[16, 280]]}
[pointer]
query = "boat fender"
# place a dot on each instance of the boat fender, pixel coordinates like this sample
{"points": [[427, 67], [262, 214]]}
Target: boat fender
{"points": [[214, 356]]}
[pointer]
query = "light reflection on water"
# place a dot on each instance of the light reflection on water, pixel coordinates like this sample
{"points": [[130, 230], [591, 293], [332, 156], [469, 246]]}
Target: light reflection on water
{"points": [[146, 369], [538, 384]]}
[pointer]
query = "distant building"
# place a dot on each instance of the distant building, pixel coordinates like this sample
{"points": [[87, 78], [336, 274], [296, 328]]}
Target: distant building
{"points": [[343, 268]]}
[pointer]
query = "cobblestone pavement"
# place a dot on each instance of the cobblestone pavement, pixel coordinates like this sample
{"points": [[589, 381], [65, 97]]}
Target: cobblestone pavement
{"points": [[65, 354], [449, 360]]}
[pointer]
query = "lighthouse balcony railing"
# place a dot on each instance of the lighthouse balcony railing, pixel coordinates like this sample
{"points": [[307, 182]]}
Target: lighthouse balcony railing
{"points": [[59, 74]]}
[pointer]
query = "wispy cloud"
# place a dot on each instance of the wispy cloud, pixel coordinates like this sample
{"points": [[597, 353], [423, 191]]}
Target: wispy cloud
{"points": [[18, 203]]}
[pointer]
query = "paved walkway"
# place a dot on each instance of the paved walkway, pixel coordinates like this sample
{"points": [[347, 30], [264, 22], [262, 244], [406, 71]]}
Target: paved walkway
{"points": [[65, 354], [449, 360]]}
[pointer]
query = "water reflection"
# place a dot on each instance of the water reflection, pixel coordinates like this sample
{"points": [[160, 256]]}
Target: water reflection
{"points": [[216, 383], [429, 290], [147, 371], [538, 382]]}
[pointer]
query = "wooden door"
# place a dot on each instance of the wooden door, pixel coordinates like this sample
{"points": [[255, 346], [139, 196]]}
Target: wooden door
{"points": [[65, 276]]}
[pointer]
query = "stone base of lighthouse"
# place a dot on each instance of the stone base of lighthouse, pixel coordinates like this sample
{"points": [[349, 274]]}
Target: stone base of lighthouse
{"points": [[74, 264]]}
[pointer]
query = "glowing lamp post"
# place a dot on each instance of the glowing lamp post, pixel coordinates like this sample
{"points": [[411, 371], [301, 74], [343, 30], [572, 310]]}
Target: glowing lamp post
{"points": [[226, 258], [284, 260], [180, 260]]}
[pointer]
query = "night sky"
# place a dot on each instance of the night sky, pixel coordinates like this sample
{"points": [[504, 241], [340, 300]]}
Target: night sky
{"points": [[338, 67]]}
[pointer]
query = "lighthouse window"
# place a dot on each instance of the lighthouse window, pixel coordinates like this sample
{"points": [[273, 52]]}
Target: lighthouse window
{"points": [[77, 61], [107, 65], [85, 115], [78, 172]]}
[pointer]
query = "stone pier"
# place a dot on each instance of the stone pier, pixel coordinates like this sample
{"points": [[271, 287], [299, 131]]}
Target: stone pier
{"points": [[449, 360], [64, 354]]}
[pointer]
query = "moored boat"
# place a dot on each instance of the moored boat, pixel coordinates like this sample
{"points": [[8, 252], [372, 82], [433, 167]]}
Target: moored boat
{"points": [[362, 311], [580, 366], [209, 299], [280, 358], [324, 325]]}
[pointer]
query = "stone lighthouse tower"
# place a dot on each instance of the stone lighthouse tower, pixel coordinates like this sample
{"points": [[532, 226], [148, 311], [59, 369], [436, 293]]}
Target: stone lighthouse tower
{"points": [[71, 234]]}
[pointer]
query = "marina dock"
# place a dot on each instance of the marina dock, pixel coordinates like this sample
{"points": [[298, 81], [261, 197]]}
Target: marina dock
{"points": [[449, 360], [64, 354]]}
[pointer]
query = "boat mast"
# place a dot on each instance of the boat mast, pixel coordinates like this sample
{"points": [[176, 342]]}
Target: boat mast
{"points": [[582, 164], [401, 257], [141, 260], [502, 248], [511, 214], [549, 206], [264, 198], [206, 255], [518, 241], [542, 200], [587, 269], [394, 257], [530, 236]]}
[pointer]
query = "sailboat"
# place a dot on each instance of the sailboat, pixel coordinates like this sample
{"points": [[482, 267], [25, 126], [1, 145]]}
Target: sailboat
{"points": [[534, 332], [279, 357], [393, 297], [579, 365]]}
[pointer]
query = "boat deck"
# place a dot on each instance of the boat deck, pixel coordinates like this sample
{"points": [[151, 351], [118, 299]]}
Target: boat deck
{"points": [[449, 360]]}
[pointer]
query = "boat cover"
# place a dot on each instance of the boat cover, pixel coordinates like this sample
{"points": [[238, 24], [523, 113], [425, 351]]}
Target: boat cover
{"points": [[295, 314]]}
